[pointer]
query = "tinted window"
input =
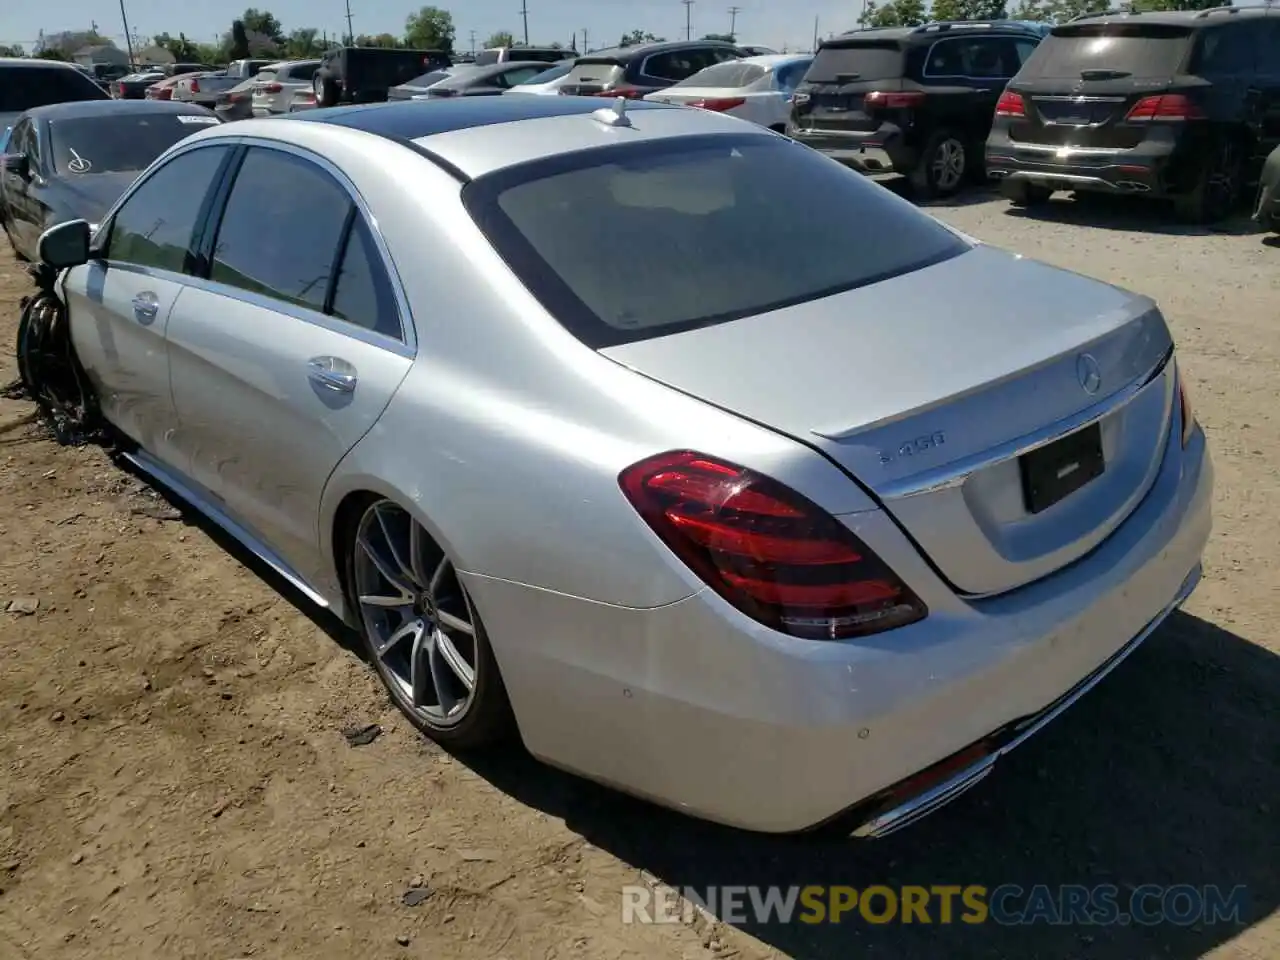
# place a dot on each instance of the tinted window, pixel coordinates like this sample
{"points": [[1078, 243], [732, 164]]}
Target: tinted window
{"points": [[22, 87], [555, 73], [117, 143], [595, 74], [362, 293], [281, 229], [298, 72], [427, 79], [789, 75], [860, 61], [732, 74], [679, 64], [1268, 57], [730, 227], [486, 57], [1024, 48], [1144, 51], [968, 57], [1225, 51], [512, 77], [155, 226]]}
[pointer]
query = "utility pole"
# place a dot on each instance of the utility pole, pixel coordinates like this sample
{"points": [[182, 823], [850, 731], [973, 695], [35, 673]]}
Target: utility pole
{"points": [[688, 18], [815, 35], [733, 21], [473, 43], [128, 37], [351, 36], [585, 48], [524, 15]]}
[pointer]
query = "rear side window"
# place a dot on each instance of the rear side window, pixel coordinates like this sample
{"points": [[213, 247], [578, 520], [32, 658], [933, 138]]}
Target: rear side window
{"points": [[362, 293], [679, 64], [789, 75], [1225, 51], [299, 72], [22, 87], [732, 74], [854, 63], [265, 76], [555, 73], [635, 241], [1144, 51], [281, 230], [155, 227], [979, 57]]}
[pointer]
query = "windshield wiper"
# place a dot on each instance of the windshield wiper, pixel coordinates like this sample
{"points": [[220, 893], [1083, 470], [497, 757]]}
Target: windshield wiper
{"points": [[1104, 74]]}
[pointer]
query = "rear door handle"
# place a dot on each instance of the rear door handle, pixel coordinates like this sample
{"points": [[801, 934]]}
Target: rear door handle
{"points": [[146, 307], [332, 373]]}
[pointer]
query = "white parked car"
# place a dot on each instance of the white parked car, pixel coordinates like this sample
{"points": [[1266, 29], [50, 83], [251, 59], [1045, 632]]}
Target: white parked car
{"points": [[758, 89], [275, 85], [546, 83]]}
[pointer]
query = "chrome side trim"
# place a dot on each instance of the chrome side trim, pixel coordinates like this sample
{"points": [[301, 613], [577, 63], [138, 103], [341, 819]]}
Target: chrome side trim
{"points": [[956, 473], [168, 478], [918, 807]]}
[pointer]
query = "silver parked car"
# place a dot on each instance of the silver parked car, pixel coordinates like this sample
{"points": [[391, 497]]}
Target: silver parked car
{"points": [[807, 506]]}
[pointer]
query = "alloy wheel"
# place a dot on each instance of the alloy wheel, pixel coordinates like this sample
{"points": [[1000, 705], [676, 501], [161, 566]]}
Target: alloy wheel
{"points": [[417, 615], [1221, 186], [948, 165]]}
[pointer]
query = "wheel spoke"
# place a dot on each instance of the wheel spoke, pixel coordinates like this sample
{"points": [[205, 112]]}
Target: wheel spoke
{"points": [[455, 623], [386, 570], [413, 629], [390, 603], [415, 555], [453, 659], [437, 577], [406, 570]]}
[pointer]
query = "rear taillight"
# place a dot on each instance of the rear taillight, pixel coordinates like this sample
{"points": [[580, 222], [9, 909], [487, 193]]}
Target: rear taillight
{"points": [[776, 556], [271, 88], [719, 104], [892, 99], [1166, 106], [631, 93], [1011, 104], [1187, 415], [194, 85]]}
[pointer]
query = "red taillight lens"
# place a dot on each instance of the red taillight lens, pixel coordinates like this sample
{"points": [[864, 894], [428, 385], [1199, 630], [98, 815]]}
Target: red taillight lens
{"points": [[1166, 106], [272, 88], [719, 104], [890, 99], [631, 93], [1011, 104], [1187, 415], [195, 86], [773, 554]]}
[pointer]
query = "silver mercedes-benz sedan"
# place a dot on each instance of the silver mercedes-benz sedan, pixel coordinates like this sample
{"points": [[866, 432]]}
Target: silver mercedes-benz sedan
{"points": [[718, 472]]}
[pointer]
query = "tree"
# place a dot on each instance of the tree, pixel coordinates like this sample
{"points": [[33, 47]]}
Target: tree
{"points": [[384, 40], [183, 50], [210, 53], [502, 38], [302, 44], [237, 41], [52, 54], [726, 37], [264, 23], [1037, 10], [893, 13], [12, 50], [430, 29], [967, 10], [637, 37]]}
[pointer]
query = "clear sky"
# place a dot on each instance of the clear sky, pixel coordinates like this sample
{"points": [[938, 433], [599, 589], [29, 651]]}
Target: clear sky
{"points": [[772, 23]]}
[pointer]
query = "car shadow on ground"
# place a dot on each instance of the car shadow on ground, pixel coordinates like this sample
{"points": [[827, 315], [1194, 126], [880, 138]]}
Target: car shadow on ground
{"points": [[1162, 775], [1134, 214]]}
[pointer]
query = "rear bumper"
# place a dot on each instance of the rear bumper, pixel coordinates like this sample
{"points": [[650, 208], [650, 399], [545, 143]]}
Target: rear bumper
{"points": [[881, 151], [1140, 169]]}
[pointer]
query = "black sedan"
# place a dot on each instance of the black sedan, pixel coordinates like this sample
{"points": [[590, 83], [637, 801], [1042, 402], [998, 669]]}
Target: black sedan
{"points": [[71, 161], [468, 81]]}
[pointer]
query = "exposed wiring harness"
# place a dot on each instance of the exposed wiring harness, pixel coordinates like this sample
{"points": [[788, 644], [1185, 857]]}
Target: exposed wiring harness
{"points": [[49, 372]]}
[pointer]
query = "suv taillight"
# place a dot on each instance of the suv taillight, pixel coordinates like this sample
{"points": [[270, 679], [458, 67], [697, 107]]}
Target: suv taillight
{"points": [[631, 93], [1166, 106], [776, 556], [193, 85], [891, 99], [1011, 104], [271, 88], [719, 104]]}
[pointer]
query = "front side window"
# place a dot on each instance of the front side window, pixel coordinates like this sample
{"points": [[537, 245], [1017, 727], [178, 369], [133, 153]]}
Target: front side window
{"points": [[281, 229], [731, 226], [156, 225], [119, 143]]}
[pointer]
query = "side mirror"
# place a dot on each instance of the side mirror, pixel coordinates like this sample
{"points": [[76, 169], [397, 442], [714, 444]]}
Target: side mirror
{"points": [[66, 245], [16, 164]]}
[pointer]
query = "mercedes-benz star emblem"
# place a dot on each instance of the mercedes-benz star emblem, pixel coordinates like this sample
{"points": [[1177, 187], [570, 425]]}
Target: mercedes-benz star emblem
{"points": [[1089, 372]]}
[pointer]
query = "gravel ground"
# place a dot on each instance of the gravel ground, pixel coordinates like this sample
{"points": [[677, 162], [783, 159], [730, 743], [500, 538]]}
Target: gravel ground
{"points": [[176, 782]]}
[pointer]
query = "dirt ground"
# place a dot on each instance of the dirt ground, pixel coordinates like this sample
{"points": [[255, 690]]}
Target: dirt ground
{"points": [[176, 782]]}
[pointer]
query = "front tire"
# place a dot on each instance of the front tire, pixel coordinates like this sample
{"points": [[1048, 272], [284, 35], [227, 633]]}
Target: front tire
{"points": [[326, 91], [422, 632], [942, 168]]}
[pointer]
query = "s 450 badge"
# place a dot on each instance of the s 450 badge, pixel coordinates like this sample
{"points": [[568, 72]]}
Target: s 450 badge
{"points": [[914, 447]]}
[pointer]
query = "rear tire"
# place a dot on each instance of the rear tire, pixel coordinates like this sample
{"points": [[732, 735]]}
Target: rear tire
{"points": [[326, 91], [942, 168], [1216, 191], [1022, 194]]}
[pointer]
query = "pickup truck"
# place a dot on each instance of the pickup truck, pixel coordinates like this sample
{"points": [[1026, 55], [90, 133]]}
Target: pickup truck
{"points": [[204, 90]]}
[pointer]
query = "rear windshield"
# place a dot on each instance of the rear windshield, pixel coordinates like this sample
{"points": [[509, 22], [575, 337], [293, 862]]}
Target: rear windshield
{"points": [[731, 74], [22, 87], [119, 143], [298, 72], [595, 73], [486, 57], [427, 79], [853, 63], [635, 241], [1149, 51], [546, 76]]}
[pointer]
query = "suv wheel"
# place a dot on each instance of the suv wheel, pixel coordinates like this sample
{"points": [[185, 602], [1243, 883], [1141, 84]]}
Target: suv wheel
{"points": [[1023, 194], [326, 91], [943, 166], [1216, 189]]}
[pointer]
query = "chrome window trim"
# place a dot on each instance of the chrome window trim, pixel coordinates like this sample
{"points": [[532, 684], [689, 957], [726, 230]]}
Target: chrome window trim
{"points": [[408, 346], [955, 474], [926, 75]]}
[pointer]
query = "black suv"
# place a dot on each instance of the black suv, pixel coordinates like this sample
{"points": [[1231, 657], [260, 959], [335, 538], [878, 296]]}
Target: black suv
{"points": [[1181, 104], [634, 71], [365, 74], [910, 100]]}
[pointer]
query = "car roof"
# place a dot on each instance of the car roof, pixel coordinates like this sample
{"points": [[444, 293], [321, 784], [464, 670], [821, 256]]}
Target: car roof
{"points": [[648, 49], [35, 62], [1210, 17], [930, 32], [79, 109], [770, 60]]}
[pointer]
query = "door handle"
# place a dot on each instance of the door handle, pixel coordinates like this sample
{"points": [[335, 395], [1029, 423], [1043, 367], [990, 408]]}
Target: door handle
{"points": [[146, 307], [332, 373]]}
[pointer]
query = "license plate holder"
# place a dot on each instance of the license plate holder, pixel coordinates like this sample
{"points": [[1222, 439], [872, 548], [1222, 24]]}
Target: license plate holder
{"points": [[1055, 471]]}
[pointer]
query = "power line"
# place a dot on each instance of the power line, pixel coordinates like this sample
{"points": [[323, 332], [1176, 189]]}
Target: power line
{"points": [[524, 15], [688, 18], [733, 21]]}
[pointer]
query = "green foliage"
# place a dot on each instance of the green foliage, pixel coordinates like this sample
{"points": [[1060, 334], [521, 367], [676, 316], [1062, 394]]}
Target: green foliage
{"points": [[502, 38], [893, 13], [430, 29], [53, 55], [967, 10], [726, 37], [183, 50], [262, 22], [385, 40], [11, 51], [637, 37]]}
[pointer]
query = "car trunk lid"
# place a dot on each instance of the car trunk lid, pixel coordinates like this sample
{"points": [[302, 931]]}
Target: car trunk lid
{"points": [[592, 76], [933, 410], [833, 94]]}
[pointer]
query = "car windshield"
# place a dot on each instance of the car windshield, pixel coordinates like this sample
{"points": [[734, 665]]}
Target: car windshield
{"points": [[23, 87], [1144, 51], [117, 143], [868, 60], [731, 75], [546, 76], [635, 241]]}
